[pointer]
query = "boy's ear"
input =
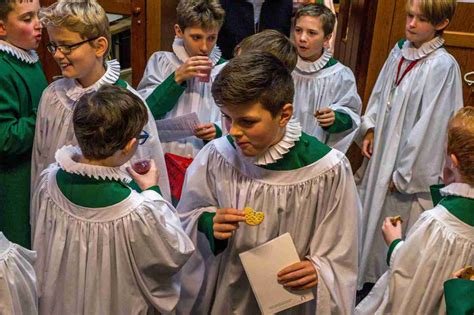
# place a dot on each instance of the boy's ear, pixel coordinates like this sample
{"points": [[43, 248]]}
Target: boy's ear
{"points": [[442, 25], [129, 146], [101, 44], [177, 31], [327, 39], [3, 29], [286, 113], [454, 159]]}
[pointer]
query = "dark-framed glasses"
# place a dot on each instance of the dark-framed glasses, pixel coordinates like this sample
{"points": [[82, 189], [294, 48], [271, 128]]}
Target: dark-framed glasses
{"points": [[66, 49], [143, 137]]}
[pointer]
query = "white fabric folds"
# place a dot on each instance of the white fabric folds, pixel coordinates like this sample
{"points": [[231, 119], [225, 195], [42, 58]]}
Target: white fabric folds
{"points": [[196, 98], [436, 246], [18, 294], [334, 87], [120, 259], [54, 127], [317, 204]]}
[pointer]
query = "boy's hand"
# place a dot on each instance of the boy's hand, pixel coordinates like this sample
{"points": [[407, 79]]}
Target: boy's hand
{"points": [[460, 274], [226, 221], [325, 117], [206, 131], [368, 144], [147, 180], [299, 276], [197, 66], [391, 232]]}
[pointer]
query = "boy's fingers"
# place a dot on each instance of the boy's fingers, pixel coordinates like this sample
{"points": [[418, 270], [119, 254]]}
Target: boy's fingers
{"points": [[301, 281], [222, 235], [325, 110], [307, 286], [131, 172], [225, 218], [291, 268], [222, 227]]}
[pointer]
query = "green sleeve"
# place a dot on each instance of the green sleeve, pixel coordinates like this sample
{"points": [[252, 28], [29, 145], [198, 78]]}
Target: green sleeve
{"points": [[205, 226], [458, 294], [342, 123], [155, 188], [391, 248], [17, 130], [165, 96]]}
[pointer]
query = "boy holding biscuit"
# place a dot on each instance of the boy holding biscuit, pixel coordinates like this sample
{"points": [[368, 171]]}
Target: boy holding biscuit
{"points": [[293, 184]]}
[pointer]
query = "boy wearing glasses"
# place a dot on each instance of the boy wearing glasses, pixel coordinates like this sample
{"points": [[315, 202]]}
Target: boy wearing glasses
{"points": [[20, 34], [112, 249], [80, 37]]}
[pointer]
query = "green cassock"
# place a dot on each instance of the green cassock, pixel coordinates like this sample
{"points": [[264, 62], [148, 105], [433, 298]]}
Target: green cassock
{"points": [[21, 86]]}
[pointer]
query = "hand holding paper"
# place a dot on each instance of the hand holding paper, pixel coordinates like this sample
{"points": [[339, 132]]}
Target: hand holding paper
{"points": [[299, 276], [226, 221], [206, 131]]}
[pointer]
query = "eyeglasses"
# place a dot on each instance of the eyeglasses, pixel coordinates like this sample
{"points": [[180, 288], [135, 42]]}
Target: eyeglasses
{"points": [[143, 137], [66, 49]]}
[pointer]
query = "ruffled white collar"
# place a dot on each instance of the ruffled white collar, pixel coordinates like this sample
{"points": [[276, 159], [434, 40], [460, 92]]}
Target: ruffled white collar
{"points": [[278, 150], [111, 75], [28, 56], [65, 158], [182, 54], [312, 67], [458, 189], [410, 52]]}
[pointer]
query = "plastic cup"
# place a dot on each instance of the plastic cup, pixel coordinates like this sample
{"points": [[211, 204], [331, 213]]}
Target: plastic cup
{"points": [[207, 77], [141, 166]]}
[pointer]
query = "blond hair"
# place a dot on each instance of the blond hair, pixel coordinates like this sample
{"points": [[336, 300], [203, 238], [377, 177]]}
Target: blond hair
{"points": [[85, 17], [273, 42], [206, 14], [436, 11], [461, 142]]}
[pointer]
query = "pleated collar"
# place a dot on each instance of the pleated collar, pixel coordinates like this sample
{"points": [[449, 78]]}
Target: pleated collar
{"points": [[458, 189], [65, 158], [410, 52], [182, 54], [278, 150], [74, 90], [28, 56], [312, 67]]}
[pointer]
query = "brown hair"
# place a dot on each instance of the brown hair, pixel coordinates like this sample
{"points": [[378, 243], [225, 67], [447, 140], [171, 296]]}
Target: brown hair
{"points": [[325, 15], [461, 142], [251, 78], [436, 11], [85, 17], [106, 120], [273, 42], [207, 14], [6, 6]]}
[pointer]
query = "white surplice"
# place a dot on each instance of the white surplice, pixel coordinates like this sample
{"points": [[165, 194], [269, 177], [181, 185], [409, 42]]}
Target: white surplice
{"points": [[410, 124], [437, 245], [54, 126], [119, 259], [317, 204], [334, 87], [18, 294], [196, 98]]}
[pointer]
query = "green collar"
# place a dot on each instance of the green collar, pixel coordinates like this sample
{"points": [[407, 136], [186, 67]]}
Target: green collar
{"points": [[331, 62], [89, 192], [306, 151], [461, 207]]}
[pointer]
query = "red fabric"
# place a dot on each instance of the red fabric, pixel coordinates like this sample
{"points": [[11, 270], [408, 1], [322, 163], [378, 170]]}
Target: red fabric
{"points": [[176, 166]]}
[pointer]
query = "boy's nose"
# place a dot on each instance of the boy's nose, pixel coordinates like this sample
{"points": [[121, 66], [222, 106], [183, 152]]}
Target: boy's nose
{"points": [[234, 131], [204, 48]]}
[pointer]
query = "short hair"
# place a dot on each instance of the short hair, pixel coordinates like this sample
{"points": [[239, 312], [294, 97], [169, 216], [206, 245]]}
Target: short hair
{"points": [[461, 142], [271, 41], [436, 10], [106, 120], [325, 15], [6, 6], [251, 78], [85, 17], [206, 14]]}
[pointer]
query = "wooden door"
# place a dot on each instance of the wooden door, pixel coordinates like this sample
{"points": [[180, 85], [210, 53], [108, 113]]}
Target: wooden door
{"points": [[151, 30]]}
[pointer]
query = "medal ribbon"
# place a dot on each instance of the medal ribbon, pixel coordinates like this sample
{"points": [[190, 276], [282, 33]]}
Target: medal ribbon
{"points": [[410, 66]]}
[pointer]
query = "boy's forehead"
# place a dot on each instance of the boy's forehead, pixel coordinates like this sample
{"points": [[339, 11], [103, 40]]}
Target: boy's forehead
{"points": [[23, 7], [61, 33], [252, 109], [315, 21], [199, 30]]}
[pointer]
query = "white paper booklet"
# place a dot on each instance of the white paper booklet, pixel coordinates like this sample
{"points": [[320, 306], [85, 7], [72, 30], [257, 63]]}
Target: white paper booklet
{"points": [[262, 264], [176, 128]]}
